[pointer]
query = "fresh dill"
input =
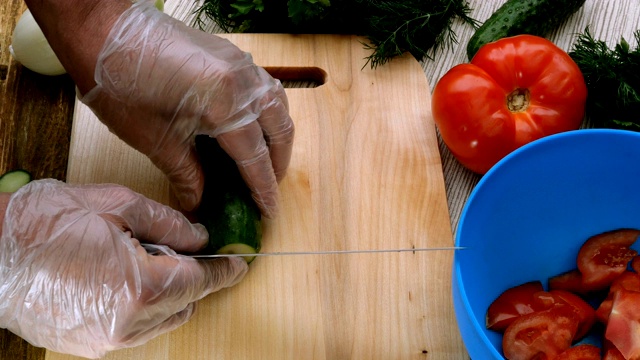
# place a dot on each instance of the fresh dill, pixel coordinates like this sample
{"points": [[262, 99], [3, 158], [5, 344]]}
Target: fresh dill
{"points": [[392, 27], [613, 80]]}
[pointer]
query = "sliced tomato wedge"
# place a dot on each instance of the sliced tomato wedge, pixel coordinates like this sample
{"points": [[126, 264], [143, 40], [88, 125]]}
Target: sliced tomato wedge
{"points": [[511, 304], [572, 281], [628, 280], [540, 335], [586, 313], [605, 256], [611, 352], [635, 264], [580, 352], [603, 311], [623, 327]]}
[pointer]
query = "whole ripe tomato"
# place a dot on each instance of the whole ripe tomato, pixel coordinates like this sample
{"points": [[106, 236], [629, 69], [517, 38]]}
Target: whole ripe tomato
{"points": [[514, 91]]}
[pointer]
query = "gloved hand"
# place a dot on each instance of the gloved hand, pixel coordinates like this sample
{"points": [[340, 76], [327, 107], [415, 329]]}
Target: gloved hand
{"points": [[75, 279], [160, 83]]}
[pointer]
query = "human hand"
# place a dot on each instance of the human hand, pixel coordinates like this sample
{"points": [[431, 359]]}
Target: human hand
{"points": [[74, 277], [160, 83]]}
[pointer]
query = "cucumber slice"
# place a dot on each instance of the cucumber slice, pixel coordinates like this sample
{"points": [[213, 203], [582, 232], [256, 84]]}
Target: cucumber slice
{"points": [[13, 180], [238, 248]]}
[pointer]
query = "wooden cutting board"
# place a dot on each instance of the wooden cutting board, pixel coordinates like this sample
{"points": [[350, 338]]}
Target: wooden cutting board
{"points": [[365, 174]]}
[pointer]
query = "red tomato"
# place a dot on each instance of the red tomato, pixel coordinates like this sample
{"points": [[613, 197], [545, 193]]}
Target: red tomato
{"points": [[514, 91], [611, 352], [581, 352], [572, 281], [623, 327], [603, 311], [511, 304], [605, 256], [635, 264], [541, 334], [585, 313], [628, 280]]}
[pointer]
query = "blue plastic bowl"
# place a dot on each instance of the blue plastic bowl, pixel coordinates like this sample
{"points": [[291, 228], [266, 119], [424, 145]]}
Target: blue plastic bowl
{"points": [[528, 216]]}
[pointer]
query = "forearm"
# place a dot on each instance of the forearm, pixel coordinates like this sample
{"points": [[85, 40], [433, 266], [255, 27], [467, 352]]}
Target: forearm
{"points": [[76, 31]]}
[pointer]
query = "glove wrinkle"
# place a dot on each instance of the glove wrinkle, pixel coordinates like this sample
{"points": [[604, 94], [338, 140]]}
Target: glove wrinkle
{"points": [[160, 83], [74, 277]]}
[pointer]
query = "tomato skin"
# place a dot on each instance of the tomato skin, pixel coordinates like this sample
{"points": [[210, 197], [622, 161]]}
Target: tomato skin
{"points": [[623, 327], [611, 352], [470, 103], [628, 280], [635, 264], [603, 311], [511, 304], [580, 352], [605, 256], [540, 335], [585, 313], [572, 281]]}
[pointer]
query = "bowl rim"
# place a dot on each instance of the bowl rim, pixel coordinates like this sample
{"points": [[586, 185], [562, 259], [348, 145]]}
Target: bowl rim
{"points": [[477, 327]]}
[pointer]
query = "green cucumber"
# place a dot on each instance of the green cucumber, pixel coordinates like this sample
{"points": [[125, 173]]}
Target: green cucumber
{"points": [[227, 210], [13, 180], [238, 248], [516, 17]]}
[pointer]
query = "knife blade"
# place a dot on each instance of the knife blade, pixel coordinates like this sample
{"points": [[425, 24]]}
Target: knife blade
{"points": [[330, 252]]}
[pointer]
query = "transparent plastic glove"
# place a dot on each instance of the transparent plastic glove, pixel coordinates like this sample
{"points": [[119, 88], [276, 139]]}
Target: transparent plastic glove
{"points": [[160, 83], [75, 279]]}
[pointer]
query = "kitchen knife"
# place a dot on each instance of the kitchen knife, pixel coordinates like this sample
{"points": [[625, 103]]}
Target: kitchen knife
{"points": [[330, 252]]}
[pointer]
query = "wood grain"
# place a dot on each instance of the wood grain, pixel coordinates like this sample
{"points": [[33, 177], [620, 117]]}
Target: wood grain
{"points": [[365, 174], [35, 112], [608, 20], [35, 127]]}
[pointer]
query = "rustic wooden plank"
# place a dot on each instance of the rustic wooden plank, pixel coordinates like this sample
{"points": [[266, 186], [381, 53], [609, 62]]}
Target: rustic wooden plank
{"points": [[35, 126], [35, 112]]}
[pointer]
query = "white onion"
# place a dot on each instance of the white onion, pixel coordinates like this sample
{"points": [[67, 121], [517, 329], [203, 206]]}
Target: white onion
{"points": [[30, 48]]}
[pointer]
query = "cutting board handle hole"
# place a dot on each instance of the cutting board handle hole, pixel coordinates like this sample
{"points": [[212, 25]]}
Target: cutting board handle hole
{"points": [[298, 77]]}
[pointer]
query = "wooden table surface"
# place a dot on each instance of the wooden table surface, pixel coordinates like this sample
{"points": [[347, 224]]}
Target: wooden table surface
{"points": [[36, 111]]}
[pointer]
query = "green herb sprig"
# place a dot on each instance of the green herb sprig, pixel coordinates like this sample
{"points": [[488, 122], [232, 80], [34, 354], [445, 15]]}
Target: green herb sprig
{"points": [[419, 27], [613, 81], [392, 27]]}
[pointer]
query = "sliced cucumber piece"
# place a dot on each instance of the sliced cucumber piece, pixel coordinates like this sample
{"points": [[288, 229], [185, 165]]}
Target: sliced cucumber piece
{"points": [[13, 180], [238, 248]]}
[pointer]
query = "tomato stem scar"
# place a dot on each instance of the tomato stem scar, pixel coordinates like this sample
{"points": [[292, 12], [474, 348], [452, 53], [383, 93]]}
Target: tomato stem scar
{"points": [[518, 100]]}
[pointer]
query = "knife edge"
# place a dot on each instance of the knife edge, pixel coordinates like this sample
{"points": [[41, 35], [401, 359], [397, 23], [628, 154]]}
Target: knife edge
{"points": [[329, 252]]}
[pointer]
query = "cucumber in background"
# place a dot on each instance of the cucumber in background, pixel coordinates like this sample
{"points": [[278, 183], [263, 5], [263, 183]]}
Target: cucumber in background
{"points": [[517, 17]]}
